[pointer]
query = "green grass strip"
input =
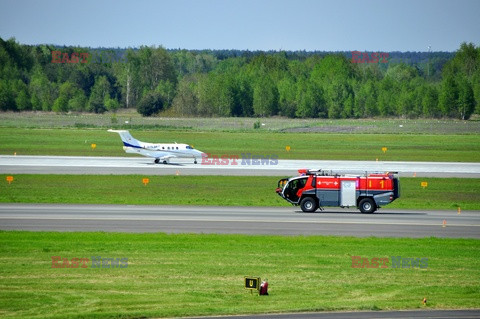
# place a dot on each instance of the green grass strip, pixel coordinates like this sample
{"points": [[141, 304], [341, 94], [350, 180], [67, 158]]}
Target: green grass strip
{"points": [[130, 119], [186, 275], [441, 193], [313, 146]]}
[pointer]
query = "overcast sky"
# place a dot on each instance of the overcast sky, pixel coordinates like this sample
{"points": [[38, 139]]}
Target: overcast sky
{"points": [[383, 25]]}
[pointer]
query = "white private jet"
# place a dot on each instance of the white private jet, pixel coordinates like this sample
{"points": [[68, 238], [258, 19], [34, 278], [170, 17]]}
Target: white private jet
{"points": [[161, 152]]}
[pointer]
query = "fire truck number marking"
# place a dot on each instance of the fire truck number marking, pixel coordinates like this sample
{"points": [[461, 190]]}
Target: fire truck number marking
{"points": [[382, 184], [370, 184]]}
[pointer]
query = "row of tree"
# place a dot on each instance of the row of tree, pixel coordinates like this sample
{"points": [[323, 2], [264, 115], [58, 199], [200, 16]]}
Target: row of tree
{"points": [[206, 83]]}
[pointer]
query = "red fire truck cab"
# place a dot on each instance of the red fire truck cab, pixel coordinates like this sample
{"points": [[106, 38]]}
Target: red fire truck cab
{"points": [[322, 188]]}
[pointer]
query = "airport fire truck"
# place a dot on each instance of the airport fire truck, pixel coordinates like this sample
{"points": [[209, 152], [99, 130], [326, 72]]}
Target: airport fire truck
{"points": [[324, 188]]}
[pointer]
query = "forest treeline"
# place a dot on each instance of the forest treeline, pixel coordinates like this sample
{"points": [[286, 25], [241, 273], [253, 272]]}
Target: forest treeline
{"points": [[239, 83]]}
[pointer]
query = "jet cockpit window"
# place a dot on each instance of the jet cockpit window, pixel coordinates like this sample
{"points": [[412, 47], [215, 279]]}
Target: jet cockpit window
{"points": [[189, 147]]}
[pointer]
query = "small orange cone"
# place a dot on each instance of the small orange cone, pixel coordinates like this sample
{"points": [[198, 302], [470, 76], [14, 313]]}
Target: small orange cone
{"points": [[444, 223], [459, 211], [414, 174]]}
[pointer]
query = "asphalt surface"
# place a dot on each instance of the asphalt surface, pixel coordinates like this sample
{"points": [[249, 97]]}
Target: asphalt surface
{"points": [[143, 165], [238, 220], [430, 314]]}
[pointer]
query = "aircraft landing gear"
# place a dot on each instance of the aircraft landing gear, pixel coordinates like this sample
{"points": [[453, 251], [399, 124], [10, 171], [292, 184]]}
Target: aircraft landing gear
{"points": [[158, 160], [195, 162]]}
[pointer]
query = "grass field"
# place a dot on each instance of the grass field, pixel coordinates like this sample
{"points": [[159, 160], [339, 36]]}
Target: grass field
{"points": [[185, 275], [275, 124], [320, 146], [441, 193]]}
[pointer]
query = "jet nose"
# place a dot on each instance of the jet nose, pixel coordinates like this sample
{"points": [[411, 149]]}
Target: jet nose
{"points": [[199, 154]]}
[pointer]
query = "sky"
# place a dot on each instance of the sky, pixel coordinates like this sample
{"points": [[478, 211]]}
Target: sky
{"points": [[344, 25]]}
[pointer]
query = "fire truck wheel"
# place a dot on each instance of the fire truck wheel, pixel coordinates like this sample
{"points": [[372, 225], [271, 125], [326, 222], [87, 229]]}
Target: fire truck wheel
{"points": [[308, 205], [367, 206]]}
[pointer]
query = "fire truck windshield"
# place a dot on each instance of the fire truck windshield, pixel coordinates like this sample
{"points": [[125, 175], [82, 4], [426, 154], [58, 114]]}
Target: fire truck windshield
{"points": [[293, 187], [296, 184]]}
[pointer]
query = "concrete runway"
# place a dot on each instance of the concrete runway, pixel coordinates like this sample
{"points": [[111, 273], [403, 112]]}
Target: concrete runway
{"points": [[145, 166], [238, 220]]}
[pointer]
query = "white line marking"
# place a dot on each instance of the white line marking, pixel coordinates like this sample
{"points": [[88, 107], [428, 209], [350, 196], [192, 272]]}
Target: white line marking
{"points": [[235, 220]]}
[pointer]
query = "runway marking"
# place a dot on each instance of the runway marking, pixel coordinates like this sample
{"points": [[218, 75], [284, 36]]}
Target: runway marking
{"points": [[237, 220]]}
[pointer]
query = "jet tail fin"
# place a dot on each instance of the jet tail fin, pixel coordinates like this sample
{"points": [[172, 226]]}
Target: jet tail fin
{"points": [[127, 138]]}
